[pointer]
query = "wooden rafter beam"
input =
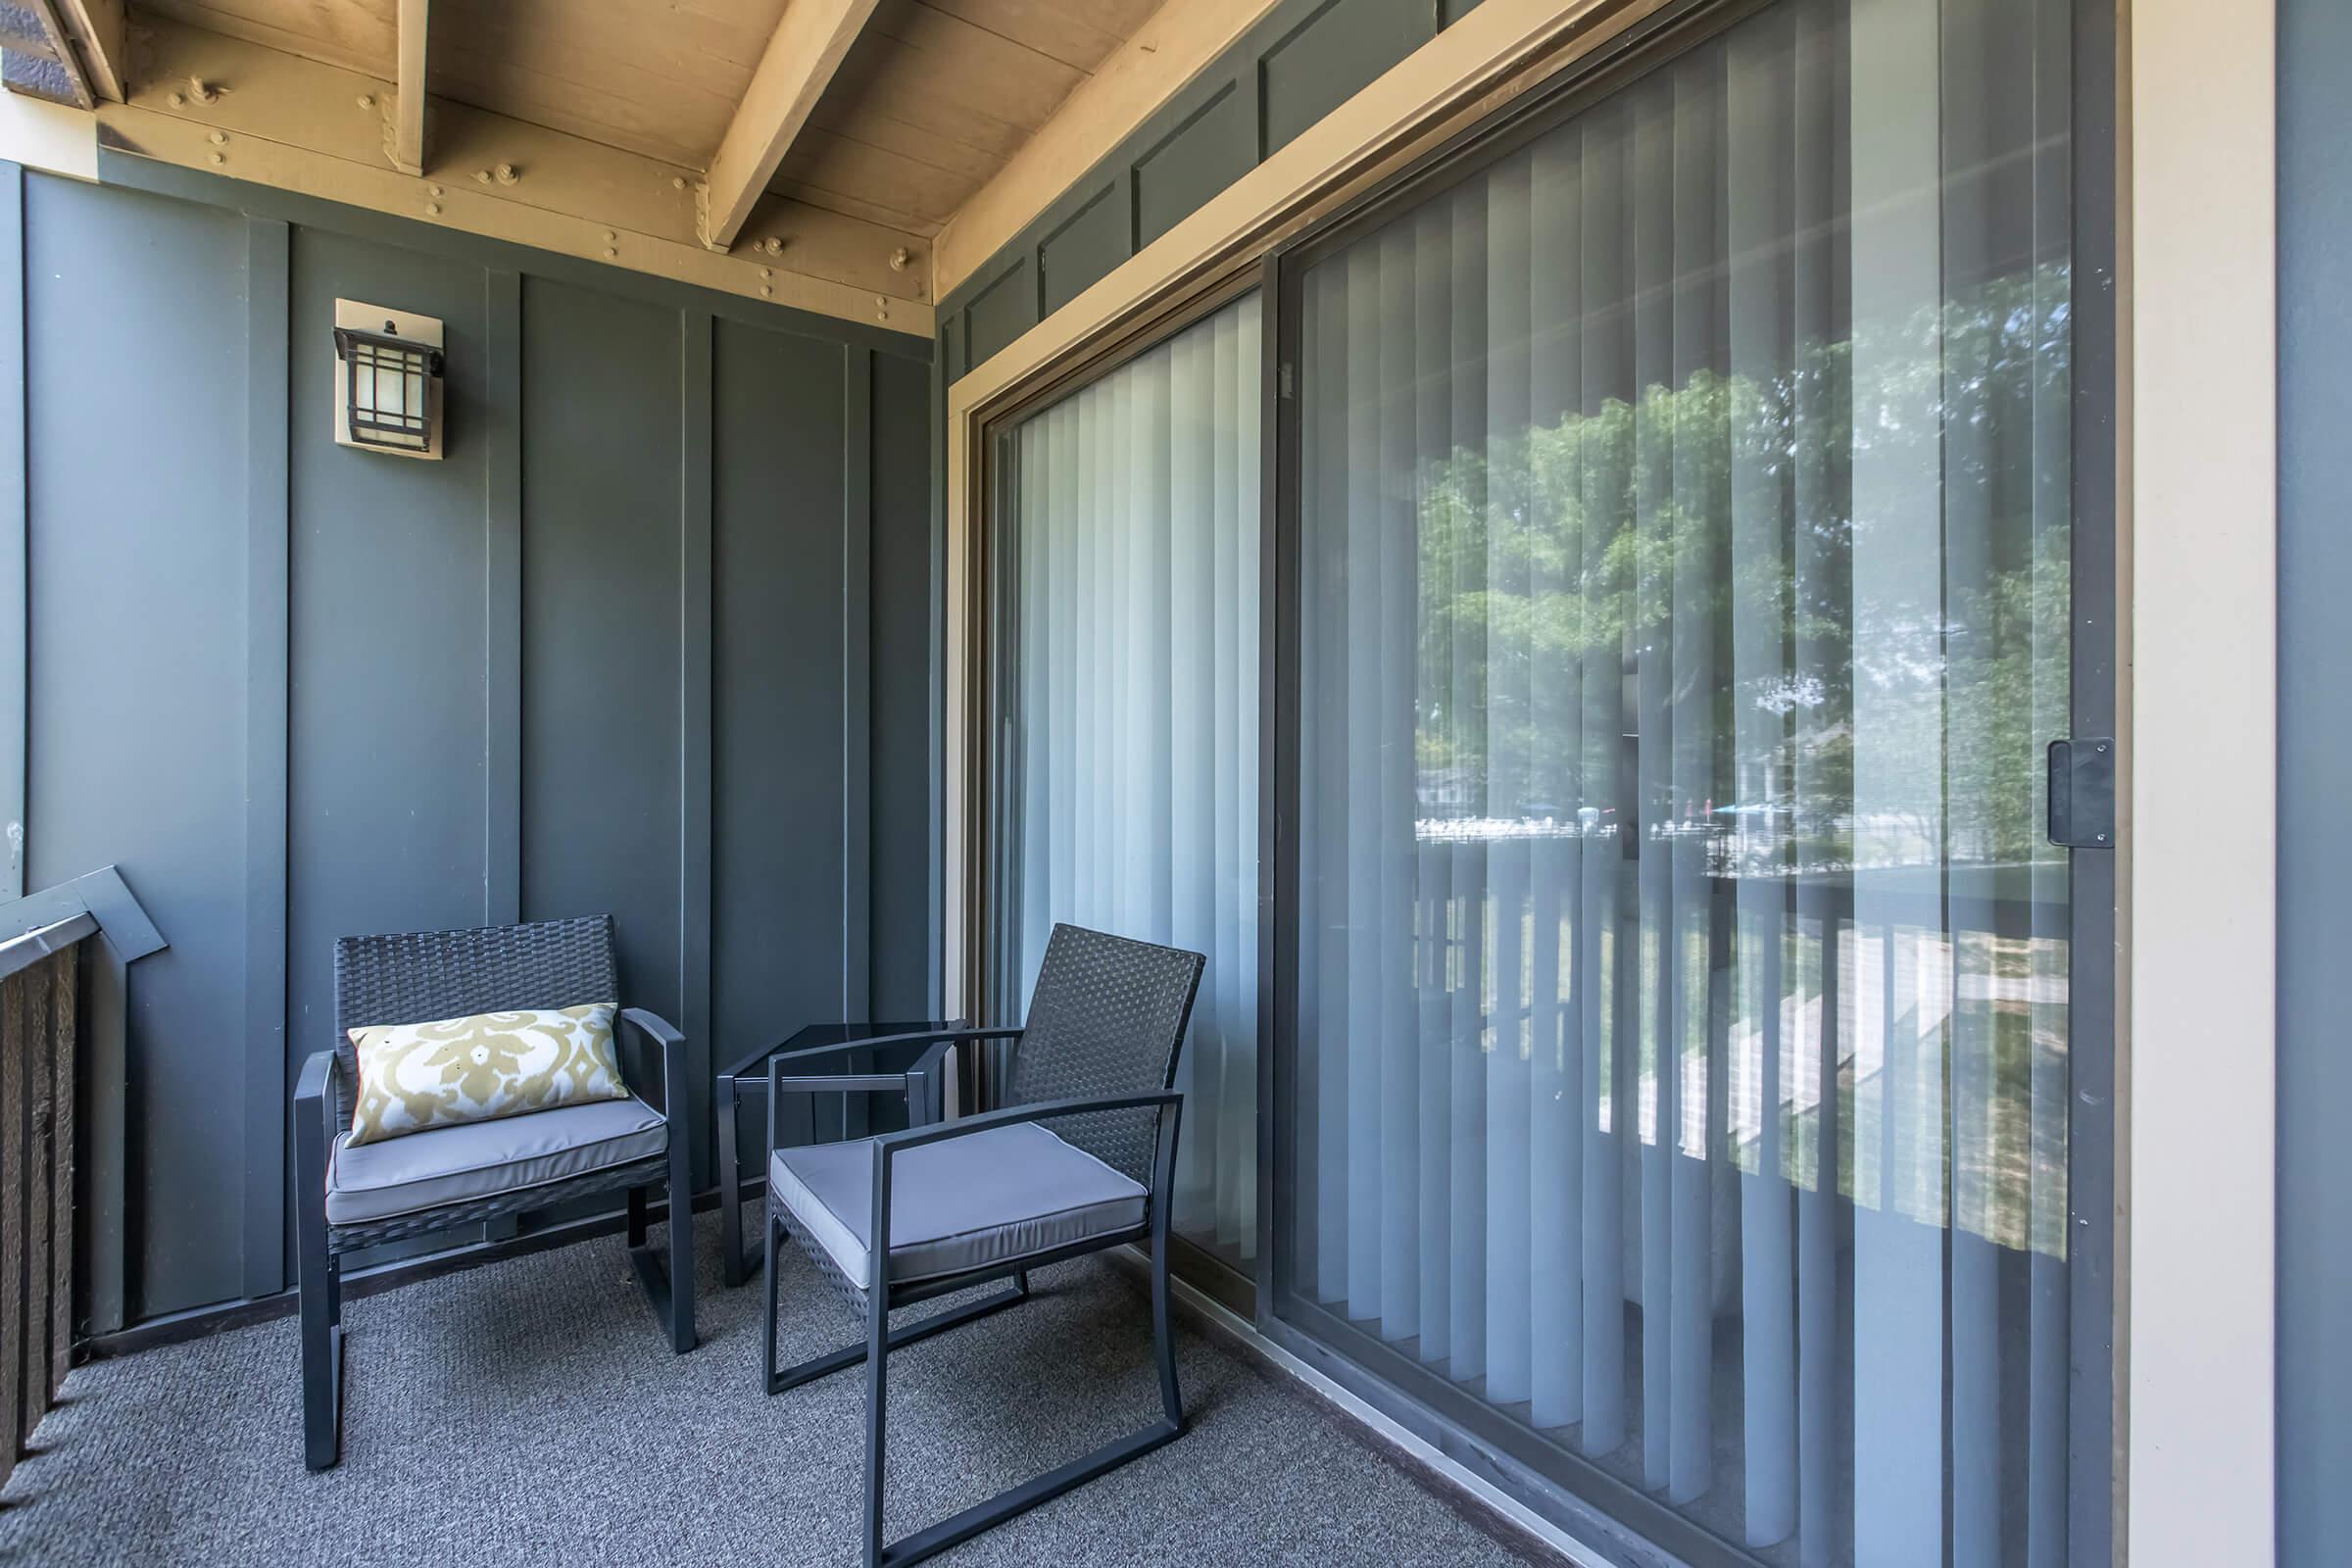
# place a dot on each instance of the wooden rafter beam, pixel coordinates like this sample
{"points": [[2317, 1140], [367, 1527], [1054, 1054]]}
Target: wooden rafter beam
{"points": [[407, 106], [808, 47], [283, 120]]}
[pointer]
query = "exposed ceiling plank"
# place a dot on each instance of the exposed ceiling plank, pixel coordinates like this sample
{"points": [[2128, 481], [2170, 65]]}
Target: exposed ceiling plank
{"points": [[408, 109], [42, 61], [800, 59]]}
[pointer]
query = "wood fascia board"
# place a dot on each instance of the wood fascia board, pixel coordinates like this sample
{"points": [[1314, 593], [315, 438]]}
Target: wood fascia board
{"points": [[408, 103], [810, 43], [1164, 57], [47, 136], [97, 29], [320, 129], [1497, 53]]}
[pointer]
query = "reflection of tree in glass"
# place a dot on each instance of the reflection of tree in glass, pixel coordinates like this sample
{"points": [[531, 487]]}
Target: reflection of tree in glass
{"points": [[1557, 562], [1577, 543]]}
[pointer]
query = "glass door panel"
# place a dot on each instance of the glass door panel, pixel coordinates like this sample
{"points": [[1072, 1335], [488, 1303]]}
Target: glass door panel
{"points": [[1680, 1006], [1127, 584]]}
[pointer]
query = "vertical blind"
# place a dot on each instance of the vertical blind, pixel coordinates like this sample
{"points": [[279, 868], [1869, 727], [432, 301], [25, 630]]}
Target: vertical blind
{"points": [[1681, 993], [1133, 796]]}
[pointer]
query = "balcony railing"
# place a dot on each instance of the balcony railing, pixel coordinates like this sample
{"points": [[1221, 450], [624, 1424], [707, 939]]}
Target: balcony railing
{"points": [[40, 975]]}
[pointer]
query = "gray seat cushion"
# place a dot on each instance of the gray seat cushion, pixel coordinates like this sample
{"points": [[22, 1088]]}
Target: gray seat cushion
{"points": [[479, 1158], [984, 1199]]}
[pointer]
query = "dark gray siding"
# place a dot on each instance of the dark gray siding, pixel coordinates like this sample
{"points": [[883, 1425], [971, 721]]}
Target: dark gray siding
{"points": [[2315, 760], [654, 639], [779, 940], [901, 664], [137, 741], [1303, 58]]}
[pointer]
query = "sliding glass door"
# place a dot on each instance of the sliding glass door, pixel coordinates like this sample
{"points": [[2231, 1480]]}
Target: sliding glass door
{"points": [[1681, 1007], [1126, 588]]}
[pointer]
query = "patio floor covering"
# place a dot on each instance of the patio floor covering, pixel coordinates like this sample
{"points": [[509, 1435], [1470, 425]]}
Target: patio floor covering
{"points": [[528, 1412]]}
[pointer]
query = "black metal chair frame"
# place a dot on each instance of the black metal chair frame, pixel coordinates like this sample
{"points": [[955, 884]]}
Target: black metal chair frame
{"points": [[1166, 1108], [922, 1086], [444, 974]]}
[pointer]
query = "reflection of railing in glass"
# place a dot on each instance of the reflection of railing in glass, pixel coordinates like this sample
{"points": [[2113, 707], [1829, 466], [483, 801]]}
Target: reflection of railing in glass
{"points": [[1999, 988]]}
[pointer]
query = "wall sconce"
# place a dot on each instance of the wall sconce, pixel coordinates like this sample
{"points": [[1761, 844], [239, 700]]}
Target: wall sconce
{"points": [[387, 381]]}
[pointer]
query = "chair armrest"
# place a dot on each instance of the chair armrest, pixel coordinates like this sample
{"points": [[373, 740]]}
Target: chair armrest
{"points": [[314, 1113], [1163, 1165], [921, 1037], [672, 1045]]}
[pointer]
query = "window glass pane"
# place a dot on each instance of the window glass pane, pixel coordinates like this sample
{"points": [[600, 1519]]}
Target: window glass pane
{"points": [[1681, 1007], [1131, 686]]}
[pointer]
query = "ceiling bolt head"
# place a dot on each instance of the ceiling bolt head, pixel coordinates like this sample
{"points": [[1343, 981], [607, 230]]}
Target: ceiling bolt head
{"points": [[899, 260], [768, 271], [366, 100], [610, 253], [678, 182], [219, 158], [433, 190], [773, 245], [175, 100], [506, 174], [766, 291], [220, 139], [481, 177]]}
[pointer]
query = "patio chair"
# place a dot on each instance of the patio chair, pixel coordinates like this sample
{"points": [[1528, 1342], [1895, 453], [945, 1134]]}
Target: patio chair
{"points": [[991, 1197], [463, 1175]]}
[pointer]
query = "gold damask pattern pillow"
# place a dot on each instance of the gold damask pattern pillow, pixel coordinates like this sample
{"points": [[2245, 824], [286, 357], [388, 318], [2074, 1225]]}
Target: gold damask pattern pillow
{"points": [[418, 1076]]}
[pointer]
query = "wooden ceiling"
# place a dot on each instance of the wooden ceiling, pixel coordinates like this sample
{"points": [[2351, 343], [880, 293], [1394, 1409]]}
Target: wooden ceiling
{"points": [[930, 100]]}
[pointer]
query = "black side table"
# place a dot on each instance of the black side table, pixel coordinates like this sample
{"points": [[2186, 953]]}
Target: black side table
{"points": [[925, 1103]]}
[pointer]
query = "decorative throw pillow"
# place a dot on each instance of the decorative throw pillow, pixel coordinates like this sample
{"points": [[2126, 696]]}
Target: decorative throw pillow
{"points": [[417, 1076]]}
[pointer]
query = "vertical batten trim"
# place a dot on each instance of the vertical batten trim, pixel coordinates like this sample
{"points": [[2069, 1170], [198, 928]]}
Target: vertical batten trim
{"points": [[501, 600], [266, 368], [502, 616], [16, 533], [695, 715], [856, 686], [2197, 1026]]}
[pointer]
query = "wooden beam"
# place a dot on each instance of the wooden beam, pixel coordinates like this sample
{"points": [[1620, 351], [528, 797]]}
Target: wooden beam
{"points": [[96, 26], [808, 47], [408, 107], [278, 120]]}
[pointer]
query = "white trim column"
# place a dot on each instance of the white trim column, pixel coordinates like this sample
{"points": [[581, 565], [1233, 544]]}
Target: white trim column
{"points": [[2199, 1110]]}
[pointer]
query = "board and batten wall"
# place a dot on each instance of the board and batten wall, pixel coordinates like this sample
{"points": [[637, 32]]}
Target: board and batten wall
{"points": [[1301, 61], [653, 640]]}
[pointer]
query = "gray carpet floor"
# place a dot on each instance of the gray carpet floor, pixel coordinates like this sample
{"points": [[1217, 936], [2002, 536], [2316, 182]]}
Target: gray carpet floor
{"points": [[527, 1413]]}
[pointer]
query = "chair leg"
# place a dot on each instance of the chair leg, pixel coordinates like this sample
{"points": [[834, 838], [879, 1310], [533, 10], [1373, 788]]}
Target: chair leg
{"points": [[877, 1363], [734, 1267], [322, 1352], [1163, 1342], [681, 1250], [767, 1341], [669, 1289]]}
